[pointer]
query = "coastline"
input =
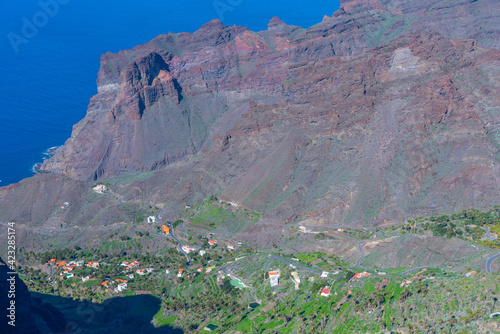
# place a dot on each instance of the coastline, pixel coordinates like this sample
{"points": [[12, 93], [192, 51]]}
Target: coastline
{"points": [[48, 154]]}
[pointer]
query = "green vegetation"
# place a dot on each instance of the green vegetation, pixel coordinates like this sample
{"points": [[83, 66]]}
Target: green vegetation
{"points": [[213, 213], [426, 300], [469, 225]]}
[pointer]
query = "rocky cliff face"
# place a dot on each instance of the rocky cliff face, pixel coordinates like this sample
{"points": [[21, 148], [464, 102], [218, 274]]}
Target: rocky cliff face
{"points": [[387, 109]]}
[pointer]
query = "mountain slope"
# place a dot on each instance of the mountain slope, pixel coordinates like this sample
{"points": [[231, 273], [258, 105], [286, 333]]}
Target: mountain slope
{"points": [[386, 110]]}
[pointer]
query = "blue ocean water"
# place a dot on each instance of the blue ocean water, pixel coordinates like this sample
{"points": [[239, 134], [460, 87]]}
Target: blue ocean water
{"points": [[50, 51]]}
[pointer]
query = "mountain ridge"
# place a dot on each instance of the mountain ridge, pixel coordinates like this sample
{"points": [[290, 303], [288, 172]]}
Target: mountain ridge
{"points": [[378, 113]]}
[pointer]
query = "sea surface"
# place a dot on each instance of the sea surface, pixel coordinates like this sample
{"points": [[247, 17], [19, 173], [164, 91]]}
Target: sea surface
{"points": [[50, 52]]}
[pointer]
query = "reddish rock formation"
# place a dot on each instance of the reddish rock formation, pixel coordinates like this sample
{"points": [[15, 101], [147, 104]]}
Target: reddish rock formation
{"points": [[387, 109]]}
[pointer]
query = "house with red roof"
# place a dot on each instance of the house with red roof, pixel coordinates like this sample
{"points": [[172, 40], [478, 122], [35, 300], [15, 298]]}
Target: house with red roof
{"points": [[325, 292]]}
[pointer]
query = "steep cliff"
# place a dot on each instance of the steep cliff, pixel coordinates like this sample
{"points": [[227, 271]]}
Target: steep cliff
{"points": [[387, 109]]}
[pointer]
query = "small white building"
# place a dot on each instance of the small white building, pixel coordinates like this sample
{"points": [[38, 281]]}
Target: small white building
{"points": [[324, 274], [85, 279], [274, 278], [167, 271], [188, 249], [100, 188], [230, 247], [296, 279], [151, 219]]}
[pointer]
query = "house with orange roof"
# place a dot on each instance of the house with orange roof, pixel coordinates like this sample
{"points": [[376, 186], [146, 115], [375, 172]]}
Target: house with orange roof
{"points": [[165, 229], [51, 261], [61, 264], [187, 249], [212, 242], [359, 275], [470, 273], [200, 270], [93, 264], [181, 271], [100, 188], [325, 292], [230, 247], [274, 278], [141, 272], [105, 283]]}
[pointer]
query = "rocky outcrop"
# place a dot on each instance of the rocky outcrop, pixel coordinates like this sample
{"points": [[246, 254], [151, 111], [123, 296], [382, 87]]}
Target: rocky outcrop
{"points": [[385, 110]]}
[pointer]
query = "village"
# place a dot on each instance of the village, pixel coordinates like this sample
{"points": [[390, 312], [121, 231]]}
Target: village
{"points": [[188, 264], [78, 272], [221, 265]]}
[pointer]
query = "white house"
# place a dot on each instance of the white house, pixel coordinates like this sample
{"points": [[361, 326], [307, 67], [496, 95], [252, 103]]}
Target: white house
{"points": [[100, 188], [296, 279], [187, 249], [274, 277], [151, 219]]}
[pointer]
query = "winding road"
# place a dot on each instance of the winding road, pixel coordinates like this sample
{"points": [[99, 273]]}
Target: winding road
{"points": [[360, 244], [179, 244], [489, 261], [170, 235], [51, 270]]}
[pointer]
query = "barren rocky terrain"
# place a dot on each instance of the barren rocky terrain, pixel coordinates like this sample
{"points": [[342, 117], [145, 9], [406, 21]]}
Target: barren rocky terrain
{"points": [[384, 111]]}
